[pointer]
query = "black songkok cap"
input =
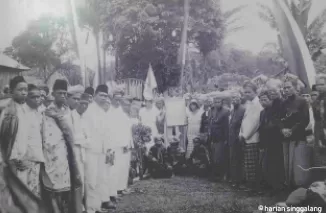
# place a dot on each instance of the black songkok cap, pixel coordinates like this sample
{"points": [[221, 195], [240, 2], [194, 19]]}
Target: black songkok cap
{"points": [[313, 88], [60, 84], [102, 88], [90, 91], [32, 87], [15, 81]]}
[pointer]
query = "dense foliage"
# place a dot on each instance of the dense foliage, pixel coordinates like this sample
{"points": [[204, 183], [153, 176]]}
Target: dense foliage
{"points": [[149, 31], [45, 47]]}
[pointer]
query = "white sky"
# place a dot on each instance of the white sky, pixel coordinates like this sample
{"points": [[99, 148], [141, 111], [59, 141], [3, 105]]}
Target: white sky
{"points": [[257, 33], [15, 14]]}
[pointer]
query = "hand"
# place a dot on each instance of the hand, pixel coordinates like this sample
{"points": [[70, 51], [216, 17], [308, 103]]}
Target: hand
{"points": [[125, 149], [286, 132], [154, 159]]}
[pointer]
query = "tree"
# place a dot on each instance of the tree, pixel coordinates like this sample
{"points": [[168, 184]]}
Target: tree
{"points": [[149, 31], [44, 46], [313, 33], [90, 18]]}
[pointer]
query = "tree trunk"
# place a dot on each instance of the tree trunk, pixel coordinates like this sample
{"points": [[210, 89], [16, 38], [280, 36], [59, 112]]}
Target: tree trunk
{"points": [[104, 61], [98, 53]]}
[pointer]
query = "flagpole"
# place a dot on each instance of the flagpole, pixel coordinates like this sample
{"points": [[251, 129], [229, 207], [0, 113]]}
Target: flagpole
{"points": [[184, 42]]}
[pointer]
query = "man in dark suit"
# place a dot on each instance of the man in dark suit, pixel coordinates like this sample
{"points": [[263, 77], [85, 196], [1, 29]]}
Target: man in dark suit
{"points": [[218, 136], [235, 147]]}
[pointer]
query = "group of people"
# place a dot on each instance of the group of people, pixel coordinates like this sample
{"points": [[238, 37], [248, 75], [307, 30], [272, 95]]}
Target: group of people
{"points": [[73, 139], [260, 141]]}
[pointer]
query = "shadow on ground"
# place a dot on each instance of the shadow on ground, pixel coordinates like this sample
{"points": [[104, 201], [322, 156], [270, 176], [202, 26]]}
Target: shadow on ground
{"points": [[191, 195]]}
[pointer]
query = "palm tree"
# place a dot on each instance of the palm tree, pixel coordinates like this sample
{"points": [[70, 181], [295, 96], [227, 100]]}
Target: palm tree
{"points": [[313, 33], [231, 18]]}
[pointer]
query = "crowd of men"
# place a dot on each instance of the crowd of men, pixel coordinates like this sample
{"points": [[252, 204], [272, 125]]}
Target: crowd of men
{"points": [[257, 143]]}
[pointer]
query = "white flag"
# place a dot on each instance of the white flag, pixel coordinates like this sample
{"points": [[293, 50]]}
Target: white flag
{"points": [[150, 84]]}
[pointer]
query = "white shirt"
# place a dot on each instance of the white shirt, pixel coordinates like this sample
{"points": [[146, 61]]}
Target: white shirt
{"points": [[251, 121]]}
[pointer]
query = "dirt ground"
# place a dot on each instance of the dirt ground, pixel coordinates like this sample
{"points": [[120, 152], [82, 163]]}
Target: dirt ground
{"points": [[191, 195]]}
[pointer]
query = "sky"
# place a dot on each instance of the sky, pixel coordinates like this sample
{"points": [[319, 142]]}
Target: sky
{"points": [[15, 14]]}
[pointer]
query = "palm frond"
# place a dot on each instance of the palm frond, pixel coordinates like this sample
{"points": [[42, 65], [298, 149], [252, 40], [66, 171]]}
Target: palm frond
{"points": [[317, 25], [267, 15], [230, 13]]}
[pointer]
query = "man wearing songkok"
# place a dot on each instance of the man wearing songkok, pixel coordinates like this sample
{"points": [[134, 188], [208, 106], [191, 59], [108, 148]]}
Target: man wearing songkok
{"points": [[121, 142], [271, 149], [21, 146], [295, 119], [235, 146], [147, 116], [58, 140], [177, 157], [158, 160], [90, 92], [249, 134], [100, 157], [218, 136], [199, 159]]}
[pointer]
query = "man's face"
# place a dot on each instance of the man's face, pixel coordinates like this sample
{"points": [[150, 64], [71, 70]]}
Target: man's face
{"points": [[273, 94], [19, 93], [218, 102], [101, 98], [321, 85], [159, 104], [60, 96], [116, 100], [73, 100], [265, 101], [158, 141], [288, 89], [34, 98], [248, 93], [43, 95], [82, 107], [236, 100], [314, 95], [307, 97]]}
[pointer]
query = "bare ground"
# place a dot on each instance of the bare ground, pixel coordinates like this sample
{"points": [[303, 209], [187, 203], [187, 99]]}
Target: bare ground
{"points": [[191, 195]]}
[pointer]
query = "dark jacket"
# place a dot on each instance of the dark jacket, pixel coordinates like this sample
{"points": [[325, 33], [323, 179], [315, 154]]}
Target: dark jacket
{"points": [[204, 124], [218, 125], [160, 154], [320, 118], [235, 124], [295, 116]]}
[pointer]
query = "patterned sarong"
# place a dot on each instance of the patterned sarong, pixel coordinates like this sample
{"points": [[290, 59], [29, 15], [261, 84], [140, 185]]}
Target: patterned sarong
{"points": [[251, 161]]}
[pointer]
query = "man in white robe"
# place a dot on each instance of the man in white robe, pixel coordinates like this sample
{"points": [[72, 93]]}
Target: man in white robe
{"points": [[121, 143], [99, 154]]}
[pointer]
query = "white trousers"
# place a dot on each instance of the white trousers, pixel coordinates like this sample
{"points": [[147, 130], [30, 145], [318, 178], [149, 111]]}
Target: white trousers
{"points": [[96, 172], [122, 163], [81, 159]]}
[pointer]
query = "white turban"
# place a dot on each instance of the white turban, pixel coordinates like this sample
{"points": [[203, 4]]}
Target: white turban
{"points": [[76, 90]]}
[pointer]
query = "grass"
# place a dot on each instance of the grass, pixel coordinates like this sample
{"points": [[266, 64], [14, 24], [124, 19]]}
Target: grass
{"points": [[190, 195]]}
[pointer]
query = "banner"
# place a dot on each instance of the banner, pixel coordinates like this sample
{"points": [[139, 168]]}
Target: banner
{"points": [[175, 111], [295, 48], [150, 84]]}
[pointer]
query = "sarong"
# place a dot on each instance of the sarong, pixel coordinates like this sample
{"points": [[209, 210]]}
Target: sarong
{"points": [[296, 153], [251, 161], [31, 177]]}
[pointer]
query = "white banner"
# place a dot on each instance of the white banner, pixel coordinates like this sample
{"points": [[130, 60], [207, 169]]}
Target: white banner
{"points": [[175, 111]]}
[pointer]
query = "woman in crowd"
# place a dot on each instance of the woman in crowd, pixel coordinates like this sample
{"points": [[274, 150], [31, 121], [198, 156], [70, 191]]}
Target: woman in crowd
{"points": [[194, 120]]}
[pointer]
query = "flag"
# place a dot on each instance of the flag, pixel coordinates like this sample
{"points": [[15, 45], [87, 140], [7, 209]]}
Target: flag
{"points": [[150, 84], [295, 49]]}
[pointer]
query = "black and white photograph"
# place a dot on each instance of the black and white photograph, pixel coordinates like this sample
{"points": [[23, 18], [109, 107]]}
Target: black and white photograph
{"points": [[162, 106]]}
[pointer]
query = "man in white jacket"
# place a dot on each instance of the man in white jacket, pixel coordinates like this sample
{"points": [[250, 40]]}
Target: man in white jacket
{"points": [[99, 155], [249, 134]]}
